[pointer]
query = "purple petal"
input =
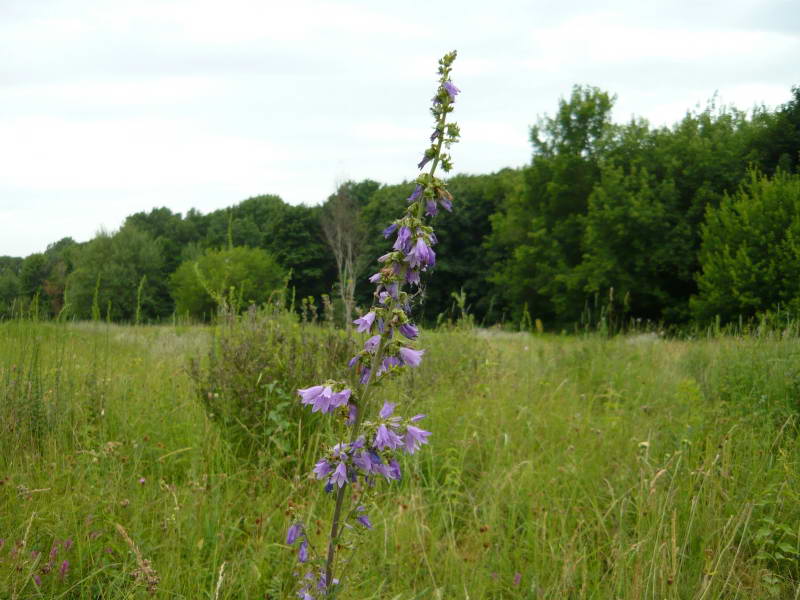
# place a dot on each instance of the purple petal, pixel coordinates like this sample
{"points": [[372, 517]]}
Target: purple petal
{"points": [[387, 410], [411, 357]]}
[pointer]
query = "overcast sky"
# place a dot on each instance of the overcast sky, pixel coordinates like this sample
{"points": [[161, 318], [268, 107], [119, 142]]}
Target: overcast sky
{"points": [[113, 107]]}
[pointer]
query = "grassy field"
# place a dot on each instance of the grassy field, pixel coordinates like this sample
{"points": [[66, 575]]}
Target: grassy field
{"points": [[560, 467]]}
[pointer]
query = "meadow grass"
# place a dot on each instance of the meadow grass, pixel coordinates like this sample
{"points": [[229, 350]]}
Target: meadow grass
{"points": [[559, 467]]}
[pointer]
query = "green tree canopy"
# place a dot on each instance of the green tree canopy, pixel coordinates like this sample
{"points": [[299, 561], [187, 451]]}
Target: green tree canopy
{"points": [[239, 275]]}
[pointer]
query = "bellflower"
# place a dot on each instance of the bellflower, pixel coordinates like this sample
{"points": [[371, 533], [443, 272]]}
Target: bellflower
{"points": [[409, 330], [374, 444], [386, 438], [293, 533], [372, 343], [411, 357], [414, 438], [451, 89], [365, 323]]}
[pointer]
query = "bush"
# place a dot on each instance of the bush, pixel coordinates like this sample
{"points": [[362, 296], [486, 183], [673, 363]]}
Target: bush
{"points": [[256, 363], [750, 257], [236, 276]]}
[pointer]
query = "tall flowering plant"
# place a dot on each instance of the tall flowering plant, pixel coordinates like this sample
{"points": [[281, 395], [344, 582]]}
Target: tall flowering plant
{"points": [[372, 434]]}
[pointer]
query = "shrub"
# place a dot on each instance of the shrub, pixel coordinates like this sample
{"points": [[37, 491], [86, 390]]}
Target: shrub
{"points": [[255, 363]]}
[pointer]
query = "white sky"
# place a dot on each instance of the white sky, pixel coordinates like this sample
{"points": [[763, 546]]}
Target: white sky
{"points": [[113, 107]]}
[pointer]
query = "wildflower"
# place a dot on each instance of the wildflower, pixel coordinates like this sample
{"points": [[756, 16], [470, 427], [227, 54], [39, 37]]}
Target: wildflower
{"points": [[451, 89], [63, 569], [430, 208], [294, 533], [409, 330], [386, 438], [365, 323], [416, 193], [411, 357], [425, 160], [322, 468], [68, 543], [352, 414], [414, 438], [309, 394], [375, 278], [517, 578], [403, 241], [389, 230], [302, 553], [339, 476], [386, 410], [142, 480], [421, 255], [37, 580], [364, 520]]}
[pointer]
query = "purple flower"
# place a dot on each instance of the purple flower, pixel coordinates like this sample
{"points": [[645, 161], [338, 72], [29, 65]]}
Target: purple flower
{"points": [[414, 438], [294, 533], [451, 89], [364, 376], [416, 193], [372, 343], [362, 461], [446, 204], [37, 580], [421, 255], [425, 160], [63, 569], [517, 578], [387, 410], [382, 298], [393, 470], [339, 476], [416, 418], [352, 414], [430, 208], [403, 241], [322, 468], [339, 399], [352, 362], [68, 543], [365, 323], [388, 363], [364, 520], [389, 230], [393, 289], [375, 278], [302, 554], [412, 276], [436, 133], [411, 357], [409, 330], [308, 395], [386, 438]]}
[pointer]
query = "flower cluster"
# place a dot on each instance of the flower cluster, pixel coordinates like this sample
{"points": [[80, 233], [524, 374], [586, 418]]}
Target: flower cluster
{"points": [[374, 446]]}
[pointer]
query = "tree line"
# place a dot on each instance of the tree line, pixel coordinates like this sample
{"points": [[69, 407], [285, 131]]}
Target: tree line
{"points": [[687, 223]]}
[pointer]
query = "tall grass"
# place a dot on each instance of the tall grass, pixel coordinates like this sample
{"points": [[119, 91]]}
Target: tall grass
{"points": [[581, 467]]}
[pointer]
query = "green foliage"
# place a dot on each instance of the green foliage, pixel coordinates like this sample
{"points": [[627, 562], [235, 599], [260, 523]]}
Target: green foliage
{"points": [[108, 271], [750, 256], [235, 277], [248, 383]]}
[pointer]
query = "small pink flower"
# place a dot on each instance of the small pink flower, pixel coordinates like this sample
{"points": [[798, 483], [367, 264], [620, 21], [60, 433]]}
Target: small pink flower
{"points": [[517, 578], [142, 480]]}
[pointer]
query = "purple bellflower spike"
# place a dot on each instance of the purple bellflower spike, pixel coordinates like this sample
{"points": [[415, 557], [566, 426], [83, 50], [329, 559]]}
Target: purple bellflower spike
{"points": [[451, 89], [365, 323], [386, 438], [302, 554], [294, 533], [372, 343], [409, 330], [387, 410], [411, 357], [414, 438], [393, 289], [339, 476], [389, 230]]}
